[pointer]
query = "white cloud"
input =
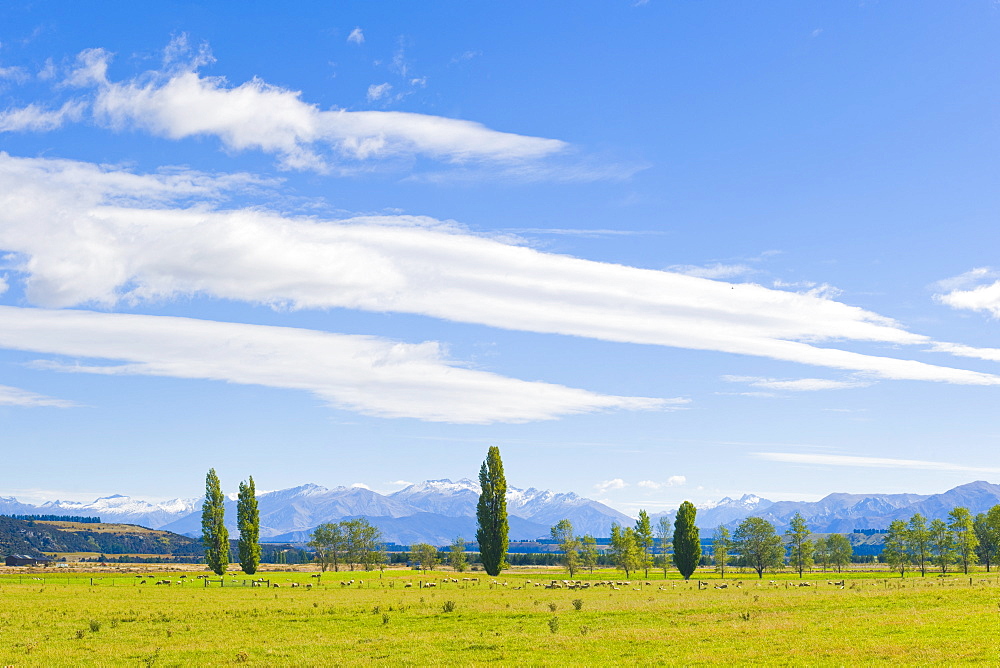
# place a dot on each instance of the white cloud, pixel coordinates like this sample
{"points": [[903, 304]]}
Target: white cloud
{"points": [[991, 354], [797, 385], [971, 291], [178, 103], [869, 462], [3, 285], [672, 481], [37, 119], [361, 485], [94, 235], [15, 74], [466, 56], [716, 270], [356, 36], [378, 91], [399, 483], [366, 374], [12, 396], [608, 485]]}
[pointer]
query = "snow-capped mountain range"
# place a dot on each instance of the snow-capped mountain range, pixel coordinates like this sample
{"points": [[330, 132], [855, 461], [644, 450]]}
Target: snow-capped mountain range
{"points": [[437, 511]]}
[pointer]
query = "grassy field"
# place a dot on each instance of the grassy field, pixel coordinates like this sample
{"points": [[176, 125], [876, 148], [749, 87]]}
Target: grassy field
{"points": [[61, 619]]}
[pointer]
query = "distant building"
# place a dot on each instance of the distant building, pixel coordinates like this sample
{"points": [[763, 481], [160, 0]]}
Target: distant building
{"points": [[24, 560]]}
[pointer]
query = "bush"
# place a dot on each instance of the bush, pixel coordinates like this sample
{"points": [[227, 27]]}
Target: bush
{"points": [[449, 606], [577, 603], [554, 624]]}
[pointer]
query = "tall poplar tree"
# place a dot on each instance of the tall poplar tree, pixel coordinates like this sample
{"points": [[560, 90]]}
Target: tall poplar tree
{"points": [[214, 534], [248, 521], [687, 545], [491, 513]]}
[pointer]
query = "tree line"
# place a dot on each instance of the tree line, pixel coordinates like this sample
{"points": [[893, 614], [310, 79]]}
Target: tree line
{"points": [[80, 519], [963, 540]]}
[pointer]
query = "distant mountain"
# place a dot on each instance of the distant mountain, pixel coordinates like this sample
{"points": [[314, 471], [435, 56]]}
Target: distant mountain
{"points": [[842, 513], [433, 511], [437, 511], [115, 509]]}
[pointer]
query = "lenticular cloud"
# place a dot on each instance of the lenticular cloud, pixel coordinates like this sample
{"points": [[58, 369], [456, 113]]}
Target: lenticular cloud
{"points": [[369, 375], [94, 235]]}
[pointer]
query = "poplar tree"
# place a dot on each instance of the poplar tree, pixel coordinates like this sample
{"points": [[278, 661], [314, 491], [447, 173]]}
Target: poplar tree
{"points": [[214, 535], [248, 521], [491, 514], [687, 544]]}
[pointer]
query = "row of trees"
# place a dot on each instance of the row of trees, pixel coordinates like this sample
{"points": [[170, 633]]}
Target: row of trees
{"points": [[963, 540], [215, 535], [632, 548], [355, 543]]}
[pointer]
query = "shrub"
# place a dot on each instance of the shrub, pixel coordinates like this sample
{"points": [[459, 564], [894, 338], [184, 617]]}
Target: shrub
{"points": [[449, 606], [577, 603], [554, 624]]}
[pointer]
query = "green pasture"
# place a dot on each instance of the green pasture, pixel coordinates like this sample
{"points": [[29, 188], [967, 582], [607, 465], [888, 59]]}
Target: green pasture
{"points": [[61, 619]]}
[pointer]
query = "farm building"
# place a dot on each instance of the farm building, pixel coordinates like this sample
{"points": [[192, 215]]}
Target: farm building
{"points": [[23, 560]]}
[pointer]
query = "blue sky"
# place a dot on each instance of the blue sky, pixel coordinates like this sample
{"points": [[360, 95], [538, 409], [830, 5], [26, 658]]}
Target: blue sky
{"points": [[654, 251]]}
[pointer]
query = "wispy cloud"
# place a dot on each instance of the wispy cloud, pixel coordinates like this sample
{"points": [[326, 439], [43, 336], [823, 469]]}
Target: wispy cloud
{"points": [[177, 102], [369, 375], [378, 91], [583, 232], [975, 290], [12, 396], [36, 119], [798, 384], [716, 270], [608, 485], [869, 462], [672, 481], [356, 36], [94, 235], [13, 73]]}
